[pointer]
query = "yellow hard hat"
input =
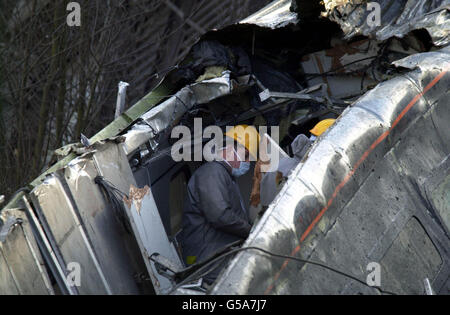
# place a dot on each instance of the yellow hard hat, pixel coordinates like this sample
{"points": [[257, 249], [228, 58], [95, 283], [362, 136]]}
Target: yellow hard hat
{"points": [[322, 126], [246, 136]]}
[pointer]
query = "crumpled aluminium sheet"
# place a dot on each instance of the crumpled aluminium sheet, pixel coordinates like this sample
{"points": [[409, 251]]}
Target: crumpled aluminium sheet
{"points": [[398, 18], [168, 112], [22, 268], [276, 14], [84, 225], [338, 165], [6, 227]]}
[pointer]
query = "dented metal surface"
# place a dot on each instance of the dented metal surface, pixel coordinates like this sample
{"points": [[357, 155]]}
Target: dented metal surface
{"points": [[112, 164], [351, 69], [150, 230], [70, 235], [83, 227], [398, 18], [22, 269], [358, 195], [168, 112]]}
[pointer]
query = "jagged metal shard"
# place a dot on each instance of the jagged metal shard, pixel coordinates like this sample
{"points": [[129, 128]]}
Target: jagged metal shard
{"points": [[275, 15], [398, 18], [162, 116]]}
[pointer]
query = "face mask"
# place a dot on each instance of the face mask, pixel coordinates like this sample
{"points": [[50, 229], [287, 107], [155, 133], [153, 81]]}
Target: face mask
{"points": [[243, 167]]}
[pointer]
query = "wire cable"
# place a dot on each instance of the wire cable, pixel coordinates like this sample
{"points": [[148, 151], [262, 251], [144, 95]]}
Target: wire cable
{"points": [[114, 196], [198, 273]]}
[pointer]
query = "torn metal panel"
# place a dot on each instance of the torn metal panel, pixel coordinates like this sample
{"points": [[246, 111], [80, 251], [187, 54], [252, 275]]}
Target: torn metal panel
{"points": [[112, 164], [170, 111], [22, 268], [133, 113], [350, 70], [112, 243], [62, 218], [121, 95], [398, 18], [425, 60], [358, 192], [152, 234], [275, 15], [47, 245], [82, 227]]}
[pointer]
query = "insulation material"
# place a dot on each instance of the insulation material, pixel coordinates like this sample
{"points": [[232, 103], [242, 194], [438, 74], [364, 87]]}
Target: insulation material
{"points": [[350, 70]]}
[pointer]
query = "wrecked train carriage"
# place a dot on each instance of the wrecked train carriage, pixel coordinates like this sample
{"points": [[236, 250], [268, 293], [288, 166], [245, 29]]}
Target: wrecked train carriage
{"points": [[374, 189], [366, 192]]}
